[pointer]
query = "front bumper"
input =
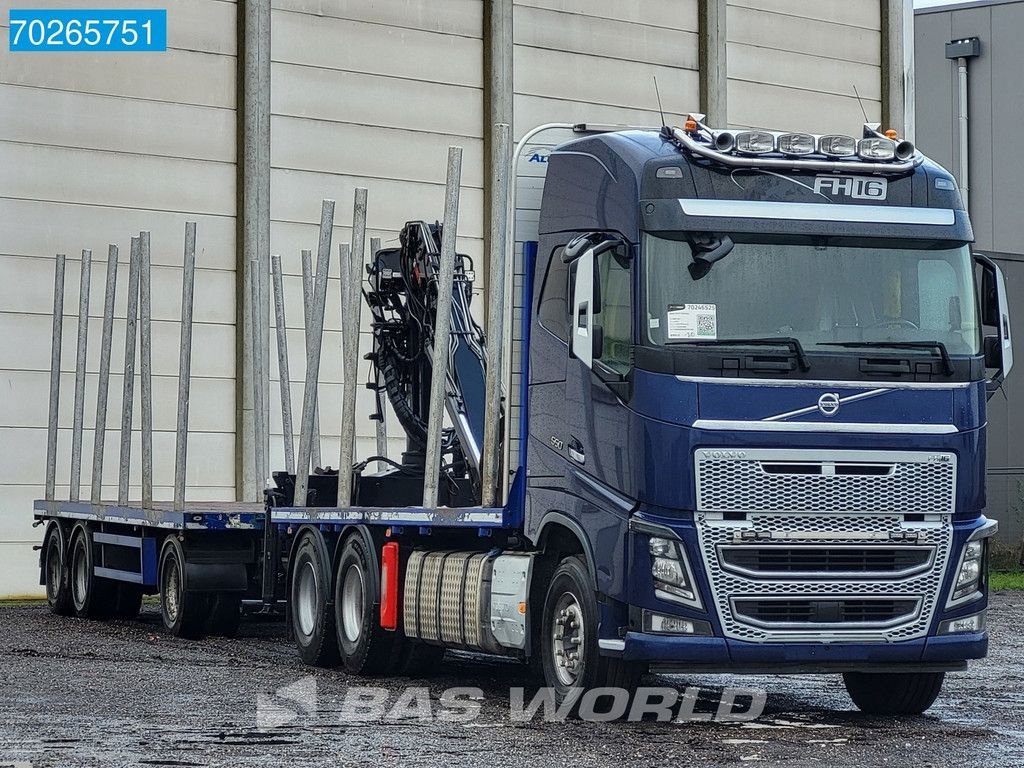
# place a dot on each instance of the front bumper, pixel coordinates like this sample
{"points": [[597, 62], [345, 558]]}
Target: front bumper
{"points": [[720, 654]]}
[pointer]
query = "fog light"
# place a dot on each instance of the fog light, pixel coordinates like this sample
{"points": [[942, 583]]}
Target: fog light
{"points": [[755, 142], [973, 623], [796, 144], [876, 149], [837, 146], [674, 625]]}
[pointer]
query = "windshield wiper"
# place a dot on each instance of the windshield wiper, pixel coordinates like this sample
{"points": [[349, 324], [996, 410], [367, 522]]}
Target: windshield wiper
{"points": [[777, 341], [947, 361]]}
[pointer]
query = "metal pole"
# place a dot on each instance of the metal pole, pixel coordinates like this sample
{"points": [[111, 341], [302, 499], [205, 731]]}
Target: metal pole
{"points": [[307, 309], [188, 279], [128, 388], [442, 331], [283, 375], [55, 352], [146, 368], [103, 384], [83, 343], [352, 301], [382, 427], [315, 335], [259, 415], [961, 65], [495, 317]]}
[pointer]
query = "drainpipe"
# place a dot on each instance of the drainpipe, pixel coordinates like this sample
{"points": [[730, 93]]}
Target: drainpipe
{"points": [[961, 50]]}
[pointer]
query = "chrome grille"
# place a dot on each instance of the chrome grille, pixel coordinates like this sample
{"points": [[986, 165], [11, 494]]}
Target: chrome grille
{"points": [[763, 515], [815, 481]]}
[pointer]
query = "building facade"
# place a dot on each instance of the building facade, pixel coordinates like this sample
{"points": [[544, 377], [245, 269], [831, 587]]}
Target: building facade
{"points": [[994, 110], [259, 110]]}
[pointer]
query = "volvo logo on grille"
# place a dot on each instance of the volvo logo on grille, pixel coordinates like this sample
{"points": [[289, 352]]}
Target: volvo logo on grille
{"points": [[828, 404]]}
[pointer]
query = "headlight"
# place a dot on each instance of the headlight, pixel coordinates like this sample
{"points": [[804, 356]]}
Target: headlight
{"points": [[970, 572], [673, 579]]}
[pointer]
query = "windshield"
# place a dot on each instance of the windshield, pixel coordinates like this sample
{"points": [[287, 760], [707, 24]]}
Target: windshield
{"points": [[817, 294]]}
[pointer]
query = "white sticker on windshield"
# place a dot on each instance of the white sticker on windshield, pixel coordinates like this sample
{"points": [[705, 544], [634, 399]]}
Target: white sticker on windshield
{"points": [[692, 321]]}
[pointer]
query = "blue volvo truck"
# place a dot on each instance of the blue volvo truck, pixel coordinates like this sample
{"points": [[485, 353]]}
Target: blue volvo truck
{"points": [[743, 431]]}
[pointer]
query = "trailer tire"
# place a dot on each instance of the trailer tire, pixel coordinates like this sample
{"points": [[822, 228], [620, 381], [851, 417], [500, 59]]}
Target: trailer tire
{"points": [[570, 621], [309, 605], [56, 569], [366, 648], [893, 693], [225, 614], [92, 597], [184, 612]]}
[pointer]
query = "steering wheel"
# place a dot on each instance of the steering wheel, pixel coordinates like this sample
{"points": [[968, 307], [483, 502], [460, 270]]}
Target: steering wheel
{"points": [[896, 322]]}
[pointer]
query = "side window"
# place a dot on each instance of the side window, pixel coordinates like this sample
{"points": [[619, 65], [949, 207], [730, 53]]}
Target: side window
{"points": [[615, 314], [553, 311]]}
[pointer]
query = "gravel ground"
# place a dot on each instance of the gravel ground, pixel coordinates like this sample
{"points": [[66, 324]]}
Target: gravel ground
{"points": [[75, 692]]}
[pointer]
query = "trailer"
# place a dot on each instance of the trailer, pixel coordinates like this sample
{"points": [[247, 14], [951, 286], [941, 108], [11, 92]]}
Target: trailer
{"points": [[728, 415]]}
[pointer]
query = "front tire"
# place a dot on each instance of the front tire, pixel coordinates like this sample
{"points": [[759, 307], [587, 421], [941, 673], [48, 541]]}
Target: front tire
{"points": [[312, 620], [366, 648], [570, 655], [893, 693]]}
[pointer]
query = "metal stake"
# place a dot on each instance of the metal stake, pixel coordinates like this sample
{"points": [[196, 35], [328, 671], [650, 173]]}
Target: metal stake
{"points": [[55, 353], [188, 279], [442, 331], [307, 309], [103, 384], [146, 369], [490, 455], [259, 415], [128, 388], [352, 301], [382, 427], [83, 343], [315, 335], [282, 366]]}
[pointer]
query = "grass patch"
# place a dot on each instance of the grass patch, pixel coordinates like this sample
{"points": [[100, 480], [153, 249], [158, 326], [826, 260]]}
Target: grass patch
{"points": [[1006, 580]]}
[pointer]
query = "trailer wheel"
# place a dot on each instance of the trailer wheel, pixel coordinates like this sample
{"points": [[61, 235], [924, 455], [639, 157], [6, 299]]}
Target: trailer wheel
{"points": [[225, 614], [55, 571], [570, 655], [92, 597], [312, 620], [366, 648], [184, 613], [893, 693]]}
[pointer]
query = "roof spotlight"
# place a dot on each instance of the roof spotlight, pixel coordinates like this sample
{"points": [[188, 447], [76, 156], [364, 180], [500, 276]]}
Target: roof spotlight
{"points": [[837, 145], [796, 144], [755, 142]]}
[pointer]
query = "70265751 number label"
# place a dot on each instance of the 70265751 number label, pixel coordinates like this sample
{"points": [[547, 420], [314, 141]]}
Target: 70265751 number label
{"points": [[82, 30]]}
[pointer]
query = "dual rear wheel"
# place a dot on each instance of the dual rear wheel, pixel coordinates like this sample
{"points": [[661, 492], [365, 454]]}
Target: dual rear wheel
{"points": [[72, 586]]}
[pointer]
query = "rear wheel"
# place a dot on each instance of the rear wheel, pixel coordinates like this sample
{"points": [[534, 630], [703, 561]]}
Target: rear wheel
{"points": [[366, 648], [92, 597], [184, 613], [570, 654], [893, 693], [55, 571], [312, 620]]}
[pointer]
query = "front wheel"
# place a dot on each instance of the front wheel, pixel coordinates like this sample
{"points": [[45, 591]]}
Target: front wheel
{"points": [[893, 693], [570, 654]]}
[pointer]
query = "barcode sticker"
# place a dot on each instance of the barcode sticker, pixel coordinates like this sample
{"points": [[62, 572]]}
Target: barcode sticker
{"points": [[692, 321]]}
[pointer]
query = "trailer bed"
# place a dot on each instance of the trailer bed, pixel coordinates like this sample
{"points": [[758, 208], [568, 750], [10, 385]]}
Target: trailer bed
{"points": [[197, 515]]}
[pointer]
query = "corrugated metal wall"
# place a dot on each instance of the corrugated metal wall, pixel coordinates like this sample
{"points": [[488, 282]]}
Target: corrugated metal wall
{"points": [[94, 148], [996, 112]]}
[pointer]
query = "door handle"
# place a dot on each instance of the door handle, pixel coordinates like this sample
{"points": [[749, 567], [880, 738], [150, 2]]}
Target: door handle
{"points": [[576, 452]]}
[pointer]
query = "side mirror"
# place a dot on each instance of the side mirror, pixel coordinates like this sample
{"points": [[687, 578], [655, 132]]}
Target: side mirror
{"points": [[995, 312]]}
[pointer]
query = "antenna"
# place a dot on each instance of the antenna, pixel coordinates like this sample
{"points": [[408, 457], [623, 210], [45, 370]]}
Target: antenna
{"points": [[863, 111], [657, 93]]}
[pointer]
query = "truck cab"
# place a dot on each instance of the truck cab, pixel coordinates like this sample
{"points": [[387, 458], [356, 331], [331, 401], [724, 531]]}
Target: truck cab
{"points": [[758, 365]]}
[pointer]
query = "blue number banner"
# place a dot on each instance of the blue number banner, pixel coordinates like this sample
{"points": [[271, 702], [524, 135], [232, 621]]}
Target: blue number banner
{"points": [[85, 30]]}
